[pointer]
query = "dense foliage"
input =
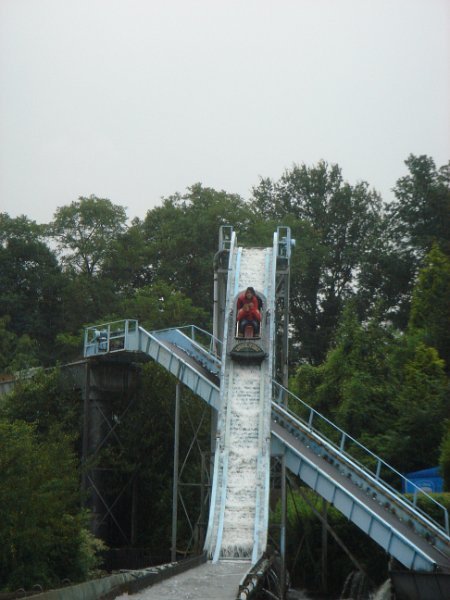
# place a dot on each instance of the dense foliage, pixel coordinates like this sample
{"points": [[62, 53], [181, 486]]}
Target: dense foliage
{"points": [[369, 342], [388, 390], [336, 226], [44, 537]]}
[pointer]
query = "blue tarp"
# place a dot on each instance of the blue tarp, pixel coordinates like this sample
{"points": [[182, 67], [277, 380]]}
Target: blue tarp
{"points": [[428, 480]]}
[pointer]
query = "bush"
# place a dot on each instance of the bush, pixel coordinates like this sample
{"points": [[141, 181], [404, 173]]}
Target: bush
{"points": [[445, 457], [43, 536]]}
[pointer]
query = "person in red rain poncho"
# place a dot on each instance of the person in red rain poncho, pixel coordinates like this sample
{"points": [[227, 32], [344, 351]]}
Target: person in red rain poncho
{"points": [[249, 296], [249, 315]]}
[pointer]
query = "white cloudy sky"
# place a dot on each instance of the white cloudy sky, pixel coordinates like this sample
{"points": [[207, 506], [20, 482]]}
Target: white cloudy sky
{"points": [[133, 100]]}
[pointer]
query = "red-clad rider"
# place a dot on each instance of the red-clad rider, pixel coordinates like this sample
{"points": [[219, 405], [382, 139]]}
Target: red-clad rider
{"points": [[248, 311], [249, 296]]}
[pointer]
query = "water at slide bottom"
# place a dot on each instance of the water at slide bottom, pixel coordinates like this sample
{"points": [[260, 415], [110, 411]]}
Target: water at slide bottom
{"points": [[209, 581], [219, 581]]}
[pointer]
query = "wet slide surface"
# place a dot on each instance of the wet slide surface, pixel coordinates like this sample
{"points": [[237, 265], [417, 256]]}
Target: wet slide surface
{"points": [[209, 581], [239, 506]]}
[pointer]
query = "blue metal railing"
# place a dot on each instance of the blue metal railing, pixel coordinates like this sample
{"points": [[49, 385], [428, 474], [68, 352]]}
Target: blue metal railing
{"points": [[109, 337], [203, 338], [213, 545], [344, 444], [225, 237], [284, 242], [116, 336], [197, 343]]}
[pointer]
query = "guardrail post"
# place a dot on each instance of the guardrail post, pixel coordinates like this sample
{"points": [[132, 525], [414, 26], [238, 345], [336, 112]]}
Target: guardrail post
{"points": [[176, 445], [125, 341], [324, 546], [377, 473], [283, 528], [85, 441]]}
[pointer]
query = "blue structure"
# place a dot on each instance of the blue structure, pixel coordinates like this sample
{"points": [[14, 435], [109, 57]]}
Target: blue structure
{"points": [[336, 466], [428, 480]]}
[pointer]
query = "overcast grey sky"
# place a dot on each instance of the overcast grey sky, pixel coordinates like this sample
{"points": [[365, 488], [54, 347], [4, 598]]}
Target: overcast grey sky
{"points": [[133, 100]]}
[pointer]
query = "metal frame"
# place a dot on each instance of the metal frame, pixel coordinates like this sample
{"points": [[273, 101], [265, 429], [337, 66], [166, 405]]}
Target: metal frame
{"points": [[345, 445], [281, 367], [315, 427], [196, 523], [98, 430]]}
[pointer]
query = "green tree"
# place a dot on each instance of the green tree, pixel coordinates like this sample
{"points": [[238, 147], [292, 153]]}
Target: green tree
{"points": [[444, 459], [31, 284], [386, 389], [420, 405], [430, 307], [8, 341], [159, 306], [417, 218], [182, 237], [351, 385], [420, 214], [85, 231], [16, 353], [46, 400], [385, 278], [87, 299], [129, 264], [335, 225], [42, 532]]}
